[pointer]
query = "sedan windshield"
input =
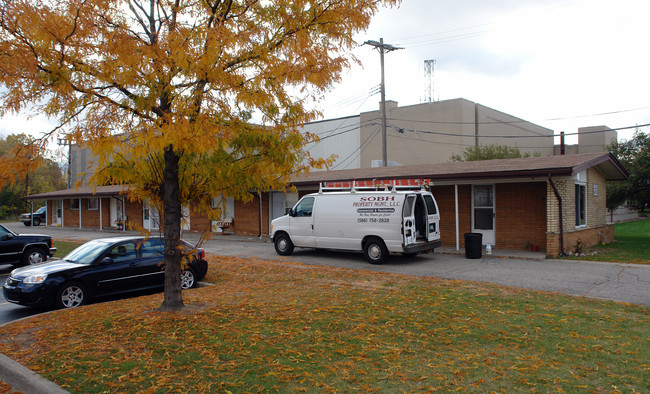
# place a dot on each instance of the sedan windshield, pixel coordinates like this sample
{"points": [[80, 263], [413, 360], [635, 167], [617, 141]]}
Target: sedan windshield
{"points": [[87, 253]]}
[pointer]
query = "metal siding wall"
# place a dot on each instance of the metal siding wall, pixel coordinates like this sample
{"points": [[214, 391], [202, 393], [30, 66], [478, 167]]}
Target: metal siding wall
{"points": [[340, 137]]}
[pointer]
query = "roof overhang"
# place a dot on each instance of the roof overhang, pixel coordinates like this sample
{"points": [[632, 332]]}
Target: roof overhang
{"points": [[82, 192], [464, 172]]}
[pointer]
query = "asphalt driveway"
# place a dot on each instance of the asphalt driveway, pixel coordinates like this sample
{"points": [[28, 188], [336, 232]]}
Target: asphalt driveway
{"points": [[611, 281]]}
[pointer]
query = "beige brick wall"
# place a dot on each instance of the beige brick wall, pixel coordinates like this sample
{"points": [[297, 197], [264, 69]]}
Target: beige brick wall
{"points": [[596, 229]]}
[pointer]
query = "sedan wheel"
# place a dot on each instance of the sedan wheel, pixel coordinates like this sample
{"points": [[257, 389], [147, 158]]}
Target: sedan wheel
{"points": [[70, 296], [187, 279]]}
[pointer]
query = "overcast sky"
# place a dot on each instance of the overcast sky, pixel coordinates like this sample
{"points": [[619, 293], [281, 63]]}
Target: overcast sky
{"points": [[562, 64]]}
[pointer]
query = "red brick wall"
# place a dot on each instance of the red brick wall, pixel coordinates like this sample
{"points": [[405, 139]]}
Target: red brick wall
{"points": [[200, 222], [520, 215], [445, 197], [247, 221], [90, 218], [134, 219]]}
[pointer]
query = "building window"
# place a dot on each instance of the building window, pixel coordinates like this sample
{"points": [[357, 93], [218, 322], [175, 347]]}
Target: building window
{"points": [[74, 204], [93, 204], [581, 205]]}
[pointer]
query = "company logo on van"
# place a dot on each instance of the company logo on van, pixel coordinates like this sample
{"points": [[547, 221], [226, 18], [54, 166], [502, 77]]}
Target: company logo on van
{"points": [[378, 198]]}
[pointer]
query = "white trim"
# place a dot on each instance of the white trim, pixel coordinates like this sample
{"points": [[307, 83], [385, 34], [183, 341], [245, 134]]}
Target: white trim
{"points": [[457, 224]]}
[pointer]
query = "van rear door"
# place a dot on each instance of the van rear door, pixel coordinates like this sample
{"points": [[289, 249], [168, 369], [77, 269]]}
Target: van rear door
{"points": [[433, 218], [408, 219]]}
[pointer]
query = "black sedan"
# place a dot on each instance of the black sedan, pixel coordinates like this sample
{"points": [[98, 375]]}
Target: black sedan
{"points": [[101, 267]]}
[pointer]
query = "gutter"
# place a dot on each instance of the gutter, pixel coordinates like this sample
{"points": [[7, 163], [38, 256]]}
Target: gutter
{"points": [[559, 199]]}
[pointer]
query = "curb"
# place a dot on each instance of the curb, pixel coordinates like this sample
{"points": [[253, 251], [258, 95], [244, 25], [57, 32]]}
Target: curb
{"points": [[24, 379]]}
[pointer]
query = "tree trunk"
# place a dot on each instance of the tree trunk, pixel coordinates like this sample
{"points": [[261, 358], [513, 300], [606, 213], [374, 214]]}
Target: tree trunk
{"points": [[172, 231]]}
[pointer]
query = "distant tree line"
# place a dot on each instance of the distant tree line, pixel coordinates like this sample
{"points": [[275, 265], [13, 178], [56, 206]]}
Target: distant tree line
{"points": [[634, 155], [49, 176], [489, 152]]}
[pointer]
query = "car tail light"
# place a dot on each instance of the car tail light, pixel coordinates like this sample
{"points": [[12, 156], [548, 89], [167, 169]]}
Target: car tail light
{"points": [[202, 253]]}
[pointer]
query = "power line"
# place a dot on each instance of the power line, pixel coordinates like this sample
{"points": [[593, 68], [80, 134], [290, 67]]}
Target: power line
{"points": [[402, 129]]}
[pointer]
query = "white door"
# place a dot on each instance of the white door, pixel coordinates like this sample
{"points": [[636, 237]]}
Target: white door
{"points": [[483, 212], [56, 208], [115, 210], [150, 217], [408, 220]]}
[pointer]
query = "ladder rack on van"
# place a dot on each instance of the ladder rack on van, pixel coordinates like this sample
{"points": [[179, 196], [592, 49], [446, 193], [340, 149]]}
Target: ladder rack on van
{"points": [[375, 185]]}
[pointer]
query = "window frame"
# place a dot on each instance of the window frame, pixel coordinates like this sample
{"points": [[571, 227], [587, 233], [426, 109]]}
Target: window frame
{"points": [[580, 204], [96, 204]]}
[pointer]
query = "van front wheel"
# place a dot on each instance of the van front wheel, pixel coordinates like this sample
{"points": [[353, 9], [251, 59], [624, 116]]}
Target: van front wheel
{"points": [[283, 245], [375, 251]]}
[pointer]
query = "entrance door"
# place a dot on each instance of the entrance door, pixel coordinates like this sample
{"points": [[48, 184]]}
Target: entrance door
{"points": [[56, 208], [483, 212], [150, 217], [115, 208]]}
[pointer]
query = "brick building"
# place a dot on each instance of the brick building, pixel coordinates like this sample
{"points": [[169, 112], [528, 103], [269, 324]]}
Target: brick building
{"points": [[514, 203]]}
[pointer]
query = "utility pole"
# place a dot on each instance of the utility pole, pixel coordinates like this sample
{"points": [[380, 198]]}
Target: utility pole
{"points": [[383, 48]]}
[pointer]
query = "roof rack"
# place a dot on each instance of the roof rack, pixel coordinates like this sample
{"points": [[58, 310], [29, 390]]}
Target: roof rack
{"points": [[375, 185]]}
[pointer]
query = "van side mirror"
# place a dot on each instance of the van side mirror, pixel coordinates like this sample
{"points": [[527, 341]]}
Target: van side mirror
{"points": [[292, 212]]}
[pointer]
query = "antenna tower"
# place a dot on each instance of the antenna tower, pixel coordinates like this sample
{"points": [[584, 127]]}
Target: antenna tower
{"points": [[429, 66]]}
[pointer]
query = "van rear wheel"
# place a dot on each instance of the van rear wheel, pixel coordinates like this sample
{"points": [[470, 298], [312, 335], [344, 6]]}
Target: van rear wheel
{"points": [[283, 245], [375, 251]]}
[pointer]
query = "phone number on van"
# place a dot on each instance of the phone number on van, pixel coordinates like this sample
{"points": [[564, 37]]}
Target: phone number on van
{"points": [[373, 220]]}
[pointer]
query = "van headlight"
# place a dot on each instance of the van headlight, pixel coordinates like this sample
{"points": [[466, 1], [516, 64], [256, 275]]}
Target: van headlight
{"points": [[35, 279]]}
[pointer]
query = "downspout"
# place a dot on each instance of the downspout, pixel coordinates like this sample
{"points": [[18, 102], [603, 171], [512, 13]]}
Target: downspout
{"points": [[559, 200]]}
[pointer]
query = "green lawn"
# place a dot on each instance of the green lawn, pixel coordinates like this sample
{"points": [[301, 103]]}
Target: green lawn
{"points": [[287, 327], [65, 247], [631, 245]]}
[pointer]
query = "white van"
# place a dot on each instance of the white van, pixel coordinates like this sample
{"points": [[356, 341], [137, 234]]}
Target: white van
{"points": [[375, 222]]}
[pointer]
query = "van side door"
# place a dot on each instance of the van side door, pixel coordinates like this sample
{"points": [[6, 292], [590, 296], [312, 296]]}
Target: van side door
{"points": [[302, 223], [408, 220]]}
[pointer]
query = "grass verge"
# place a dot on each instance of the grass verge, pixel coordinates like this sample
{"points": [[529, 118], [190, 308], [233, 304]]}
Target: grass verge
{"points": [[630, 245], [283, 326], [65, 247]]}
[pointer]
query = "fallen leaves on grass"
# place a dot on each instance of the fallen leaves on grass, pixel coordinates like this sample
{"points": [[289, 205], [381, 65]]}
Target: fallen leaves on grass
{"points": [[285, 326]]}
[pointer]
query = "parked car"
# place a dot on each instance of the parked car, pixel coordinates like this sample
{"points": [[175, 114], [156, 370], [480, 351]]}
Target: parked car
{"points": [[39, 217], [24, 249], [101, 267]]}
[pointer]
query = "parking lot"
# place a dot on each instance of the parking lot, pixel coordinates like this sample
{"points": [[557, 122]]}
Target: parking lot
{"points": [[618, 282]]}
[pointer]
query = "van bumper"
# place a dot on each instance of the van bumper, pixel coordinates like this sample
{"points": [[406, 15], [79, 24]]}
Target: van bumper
{"points": [[422, 246]]}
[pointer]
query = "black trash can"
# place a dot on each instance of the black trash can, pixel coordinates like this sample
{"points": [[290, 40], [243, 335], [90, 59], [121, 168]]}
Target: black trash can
{"points": [[473, 245]]}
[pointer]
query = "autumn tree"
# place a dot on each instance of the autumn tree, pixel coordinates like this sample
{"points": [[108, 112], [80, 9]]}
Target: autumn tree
{"points": [[634, 154], [489, 152], [180, 99], [46, 175]]}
